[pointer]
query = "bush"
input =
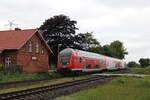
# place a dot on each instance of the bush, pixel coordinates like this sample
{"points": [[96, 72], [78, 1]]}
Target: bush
{"points": [[18, 68], [144, 62], [28, 76], [43, 74], [1, 67], [133, 64], [142, 71], [12, 69], [48, 75]]}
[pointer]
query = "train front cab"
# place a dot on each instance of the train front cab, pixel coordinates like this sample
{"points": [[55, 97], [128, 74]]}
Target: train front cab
{"points": [[68, 61]]}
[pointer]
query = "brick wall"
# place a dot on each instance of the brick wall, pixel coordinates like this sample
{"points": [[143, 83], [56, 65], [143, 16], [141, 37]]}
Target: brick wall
{"points": [[32, 61], [10, 53]]}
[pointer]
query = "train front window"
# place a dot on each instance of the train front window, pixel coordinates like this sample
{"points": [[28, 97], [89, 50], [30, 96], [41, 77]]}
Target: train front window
{"points": [[64, 60]]}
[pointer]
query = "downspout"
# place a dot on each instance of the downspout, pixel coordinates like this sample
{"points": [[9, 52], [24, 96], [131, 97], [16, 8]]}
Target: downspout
{"points": [[1, 61]]}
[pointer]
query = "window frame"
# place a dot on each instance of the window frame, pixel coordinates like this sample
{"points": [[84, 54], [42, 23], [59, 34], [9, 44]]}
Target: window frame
{"points": [[8, 61], [30, 46], [37, 48]]}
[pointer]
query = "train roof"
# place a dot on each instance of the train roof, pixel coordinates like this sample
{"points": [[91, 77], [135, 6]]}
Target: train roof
{"points": [[67, 50], [86, 54]]}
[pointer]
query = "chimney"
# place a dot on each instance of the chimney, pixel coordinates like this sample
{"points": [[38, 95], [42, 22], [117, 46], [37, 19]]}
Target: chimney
{"points": [[17, 29]]}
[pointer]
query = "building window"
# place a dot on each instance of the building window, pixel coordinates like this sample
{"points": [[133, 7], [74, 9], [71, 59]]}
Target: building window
{"points": [[42, 51], [37, 48], [30, 46], [7, 61], [26, 47]]}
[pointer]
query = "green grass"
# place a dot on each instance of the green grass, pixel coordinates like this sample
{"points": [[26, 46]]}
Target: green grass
{"points": [[122, 88], [142, 71], [23, 77]]}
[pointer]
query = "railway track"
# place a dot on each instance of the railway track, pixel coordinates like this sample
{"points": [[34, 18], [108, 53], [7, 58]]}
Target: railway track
{"points": [[53, 91]]}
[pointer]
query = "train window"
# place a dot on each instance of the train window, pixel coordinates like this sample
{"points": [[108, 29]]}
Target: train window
{"points": [[97, 66], [80, 60], [64, 59], [87, 65], [102, 61], [84, 65]]}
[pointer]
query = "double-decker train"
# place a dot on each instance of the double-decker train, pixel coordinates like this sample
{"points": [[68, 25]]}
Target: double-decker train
{"points": [[81, 61]]}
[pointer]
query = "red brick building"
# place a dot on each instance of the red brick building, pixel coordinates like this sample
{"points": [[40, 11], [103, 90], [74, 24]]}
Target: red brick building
{"points": [[26, 48]]}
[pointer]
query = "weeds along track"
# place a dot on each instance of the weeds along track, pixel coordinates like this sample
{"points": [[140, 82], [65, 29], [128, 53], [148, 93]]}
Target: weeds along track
{"points": [[23, 83], [32, 82], [53, 91]]}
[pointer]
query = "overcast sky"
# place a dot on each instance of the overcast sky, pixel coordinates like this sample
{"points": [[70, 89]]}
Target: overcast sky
{"points": [[109, 20]]}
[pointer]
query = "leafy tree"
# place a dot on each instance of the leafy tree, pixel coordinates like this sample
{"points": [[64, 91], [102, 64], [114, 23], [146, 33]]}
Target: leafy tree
{"points": [[117, 50], [86, 40], [133, 64], [59, 31], [144, 62], [97, 49]]}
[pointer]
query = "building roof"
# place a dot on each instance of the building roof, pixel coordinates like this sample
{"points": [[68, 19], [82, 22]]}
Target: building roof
{"points": [[15, 39]]}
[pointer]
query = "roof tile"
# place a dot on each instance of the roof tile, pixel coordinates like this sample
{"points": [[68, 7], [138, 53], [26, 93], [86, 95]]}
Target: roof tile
{"points": [[13, 39]]}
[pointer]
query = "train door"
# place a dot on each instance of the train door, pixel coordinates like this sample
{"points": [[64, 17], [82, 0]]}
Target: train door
{"points": [[81, 62], [103, 63], [78, 62], [75, 62], [110, 65]]}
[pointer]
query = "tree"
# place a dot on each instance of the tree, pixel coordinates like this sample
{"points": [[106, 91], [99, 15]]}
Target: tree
{"points": [[97, 49], [86, 40], [133, 64], [115, 49], [59, 32], [144, 62]]}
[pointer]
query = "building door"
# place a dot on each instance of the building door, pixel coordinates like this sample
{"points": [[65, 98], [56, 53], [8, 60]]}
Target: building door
{"points": [[7, 61]]}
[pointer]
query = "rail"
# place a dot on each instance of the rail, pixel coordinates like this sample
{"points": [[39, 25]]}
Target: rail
{"points": [[33, 93]]}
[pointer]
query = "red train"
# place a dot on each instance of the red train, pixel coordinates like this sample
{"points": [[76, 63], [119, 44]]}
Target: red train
{"points": [[81, 61]]}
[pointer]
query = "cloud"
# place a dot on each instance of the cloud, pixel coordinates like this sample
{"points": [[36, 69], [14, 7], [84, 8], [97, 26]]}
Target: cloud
{"points": [[122, 3], [109, 20]]}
